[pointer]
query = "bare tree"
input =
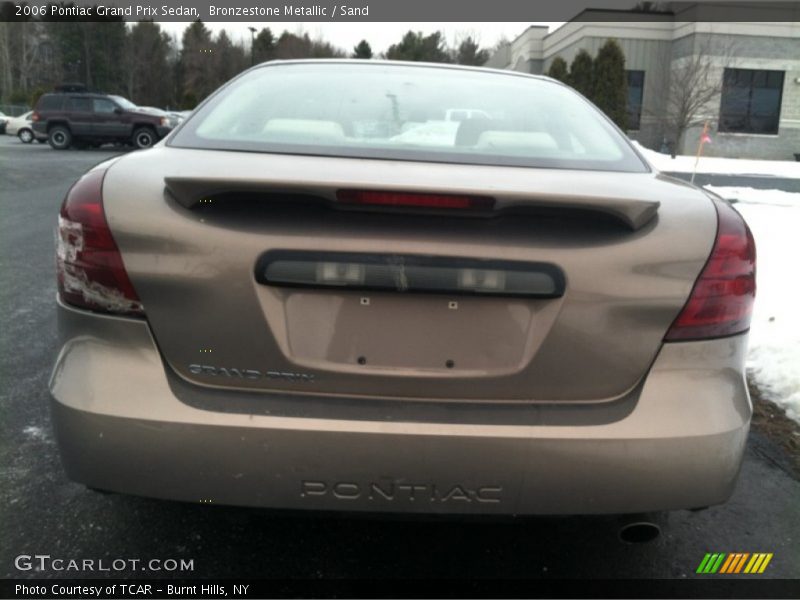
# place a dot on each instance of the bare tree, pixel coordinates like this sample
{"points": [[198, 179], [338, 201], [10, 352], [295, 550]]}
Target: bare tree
{"points": [[6, 76], [692, 85], [20, 59]]}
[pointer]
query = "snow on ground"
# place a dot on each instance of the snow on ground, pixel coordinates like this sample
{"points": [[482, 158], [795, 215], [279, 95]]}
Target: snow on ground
{"points": [[726, 166], [35, 433], [746, 195], [774, 218], [774, 356]]}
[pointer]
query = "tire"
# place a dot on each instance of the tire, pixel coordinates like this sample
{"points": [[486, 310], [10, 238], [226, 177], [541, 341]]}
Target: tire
{"points": [[144, 138], [25, 136], [60, 138]]}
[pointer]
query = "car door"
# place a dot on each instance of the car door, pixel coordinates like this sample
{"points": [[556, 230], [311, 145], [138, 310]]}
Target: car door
{"points": [[81, 115], [108, 120]]}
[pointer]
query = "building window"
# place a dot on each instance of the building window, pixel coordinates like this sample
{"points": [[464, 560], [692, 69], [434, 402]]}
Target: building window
{"points": [[751, 101], [635, 94]]}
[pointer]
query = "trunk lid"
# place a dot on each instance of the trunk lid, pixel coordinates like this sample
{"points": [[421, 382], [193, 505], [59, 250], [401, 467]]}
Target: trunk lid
{"points": [[193, 237]]}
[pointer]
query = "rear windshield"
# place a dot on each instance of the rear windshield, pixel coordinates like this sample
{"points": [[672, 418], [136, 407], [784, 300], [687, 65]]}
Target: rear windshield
{"points": [[409, 113]]}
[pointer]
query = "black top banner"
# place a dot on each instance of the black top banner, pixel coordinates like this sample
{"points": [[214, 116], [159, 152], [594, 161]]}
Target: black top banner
{"points": [[477, 11]]}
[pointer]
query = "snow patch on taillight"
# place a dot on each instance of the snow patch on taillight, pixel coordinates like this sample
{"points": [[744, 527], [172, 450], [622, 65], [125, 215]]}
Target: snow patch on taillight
{"points": [[90, 270], [77, 282], [69, 240]]}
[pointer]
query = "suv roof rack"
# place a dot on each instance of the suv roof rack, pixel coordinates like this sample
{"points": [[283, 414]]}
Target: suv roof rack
{"points": [[72, 88]]}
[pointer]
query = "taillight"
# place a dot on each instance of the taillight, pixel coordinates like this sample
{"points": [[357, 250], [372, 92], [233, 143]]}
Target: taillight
{"points": [[390, 199], [721, 301], [91, 274], [35, 116]]}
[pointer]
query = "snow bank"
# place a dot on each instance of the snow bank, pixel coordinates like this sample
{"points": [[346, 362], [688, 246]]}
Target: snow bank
{"points": [[725, 166], [774, 356], [747, 195], [774, 218], [35, 433]]}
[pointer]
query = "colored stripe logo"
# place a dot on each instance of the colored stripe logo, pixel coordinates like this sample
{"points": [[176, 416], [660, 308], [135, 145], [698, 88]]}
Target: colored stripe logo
{"points": [[734, 562]]}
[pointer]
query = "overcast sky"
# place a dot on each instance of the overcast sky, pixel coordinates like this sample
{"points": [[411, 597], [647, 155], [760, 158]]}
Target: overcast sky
{"points": [[379, 35]]}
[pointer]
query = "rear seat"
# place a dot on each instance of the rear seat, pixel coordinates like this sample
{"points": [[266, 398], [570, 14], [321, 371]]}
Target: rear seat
{"points": [[304, 130]]}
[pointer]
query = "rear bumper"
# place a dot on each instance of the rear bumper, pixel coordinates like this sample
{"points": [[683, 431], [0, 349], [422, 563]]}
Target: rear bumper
{"points": [[121, 427]]}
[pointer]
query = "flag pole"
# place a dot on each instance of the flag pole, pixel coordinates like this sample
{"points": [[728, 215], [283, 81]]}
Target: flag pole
{"points": [[703, 138]]}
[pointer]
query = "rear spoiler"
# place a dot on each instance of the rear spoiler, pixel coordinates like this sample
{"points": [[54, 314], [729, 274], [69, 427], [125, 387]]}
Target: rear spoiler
{"points": [[632, 212]]}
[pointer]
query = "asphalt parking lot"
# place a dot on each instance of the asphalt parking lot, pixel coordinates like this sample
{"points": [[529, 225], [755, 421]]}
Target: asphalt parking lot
{"points": [[41, 512]]}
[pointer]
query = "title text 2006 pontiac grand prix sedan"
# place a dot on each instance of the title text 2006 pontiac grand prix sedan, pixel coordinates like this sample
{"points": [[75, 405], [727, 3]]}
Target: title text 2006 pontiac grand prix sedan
{"points": [[401, 287]]}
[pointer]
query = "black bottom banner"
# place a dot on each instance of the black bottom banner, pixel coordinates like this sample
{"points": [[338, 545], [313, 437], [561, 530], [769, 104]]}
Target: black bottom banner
{"points": [[398, 588]]}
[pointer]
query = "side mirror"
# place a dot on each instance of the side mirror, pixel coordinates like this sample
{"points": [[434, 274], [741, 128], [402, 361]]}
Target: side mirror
{"points": [[118, 111]]}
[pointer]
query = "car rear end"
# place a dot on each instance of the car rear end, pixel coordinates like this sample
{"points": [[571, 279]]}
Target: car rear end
{"points": [[47, 106], [311, 316], [12, 125]]}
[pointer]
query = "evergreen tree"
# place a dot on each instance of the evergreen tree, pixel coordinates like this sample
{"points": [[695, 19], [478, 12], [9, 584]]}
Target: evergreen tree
{"points": [[67, 38], [610, 84], [35, 95], [148, 65], [138, 60], [263, 46], [90, 52], [558, 70], [229, 59], [290, 45], [196, 65], [581, 73], [107, 44], [362, 50], [470, 53], [419, 47]]}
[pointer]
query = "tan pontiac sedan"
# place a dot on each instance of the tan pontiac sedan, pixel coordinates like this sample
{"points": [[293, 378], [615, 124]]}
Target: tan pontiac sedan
{"points": [[379, 286]]}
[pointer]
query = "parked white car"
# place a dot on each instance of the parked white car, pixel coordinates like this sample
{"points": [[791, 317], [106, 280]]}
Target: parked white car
{"points": [[22, 127]]}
